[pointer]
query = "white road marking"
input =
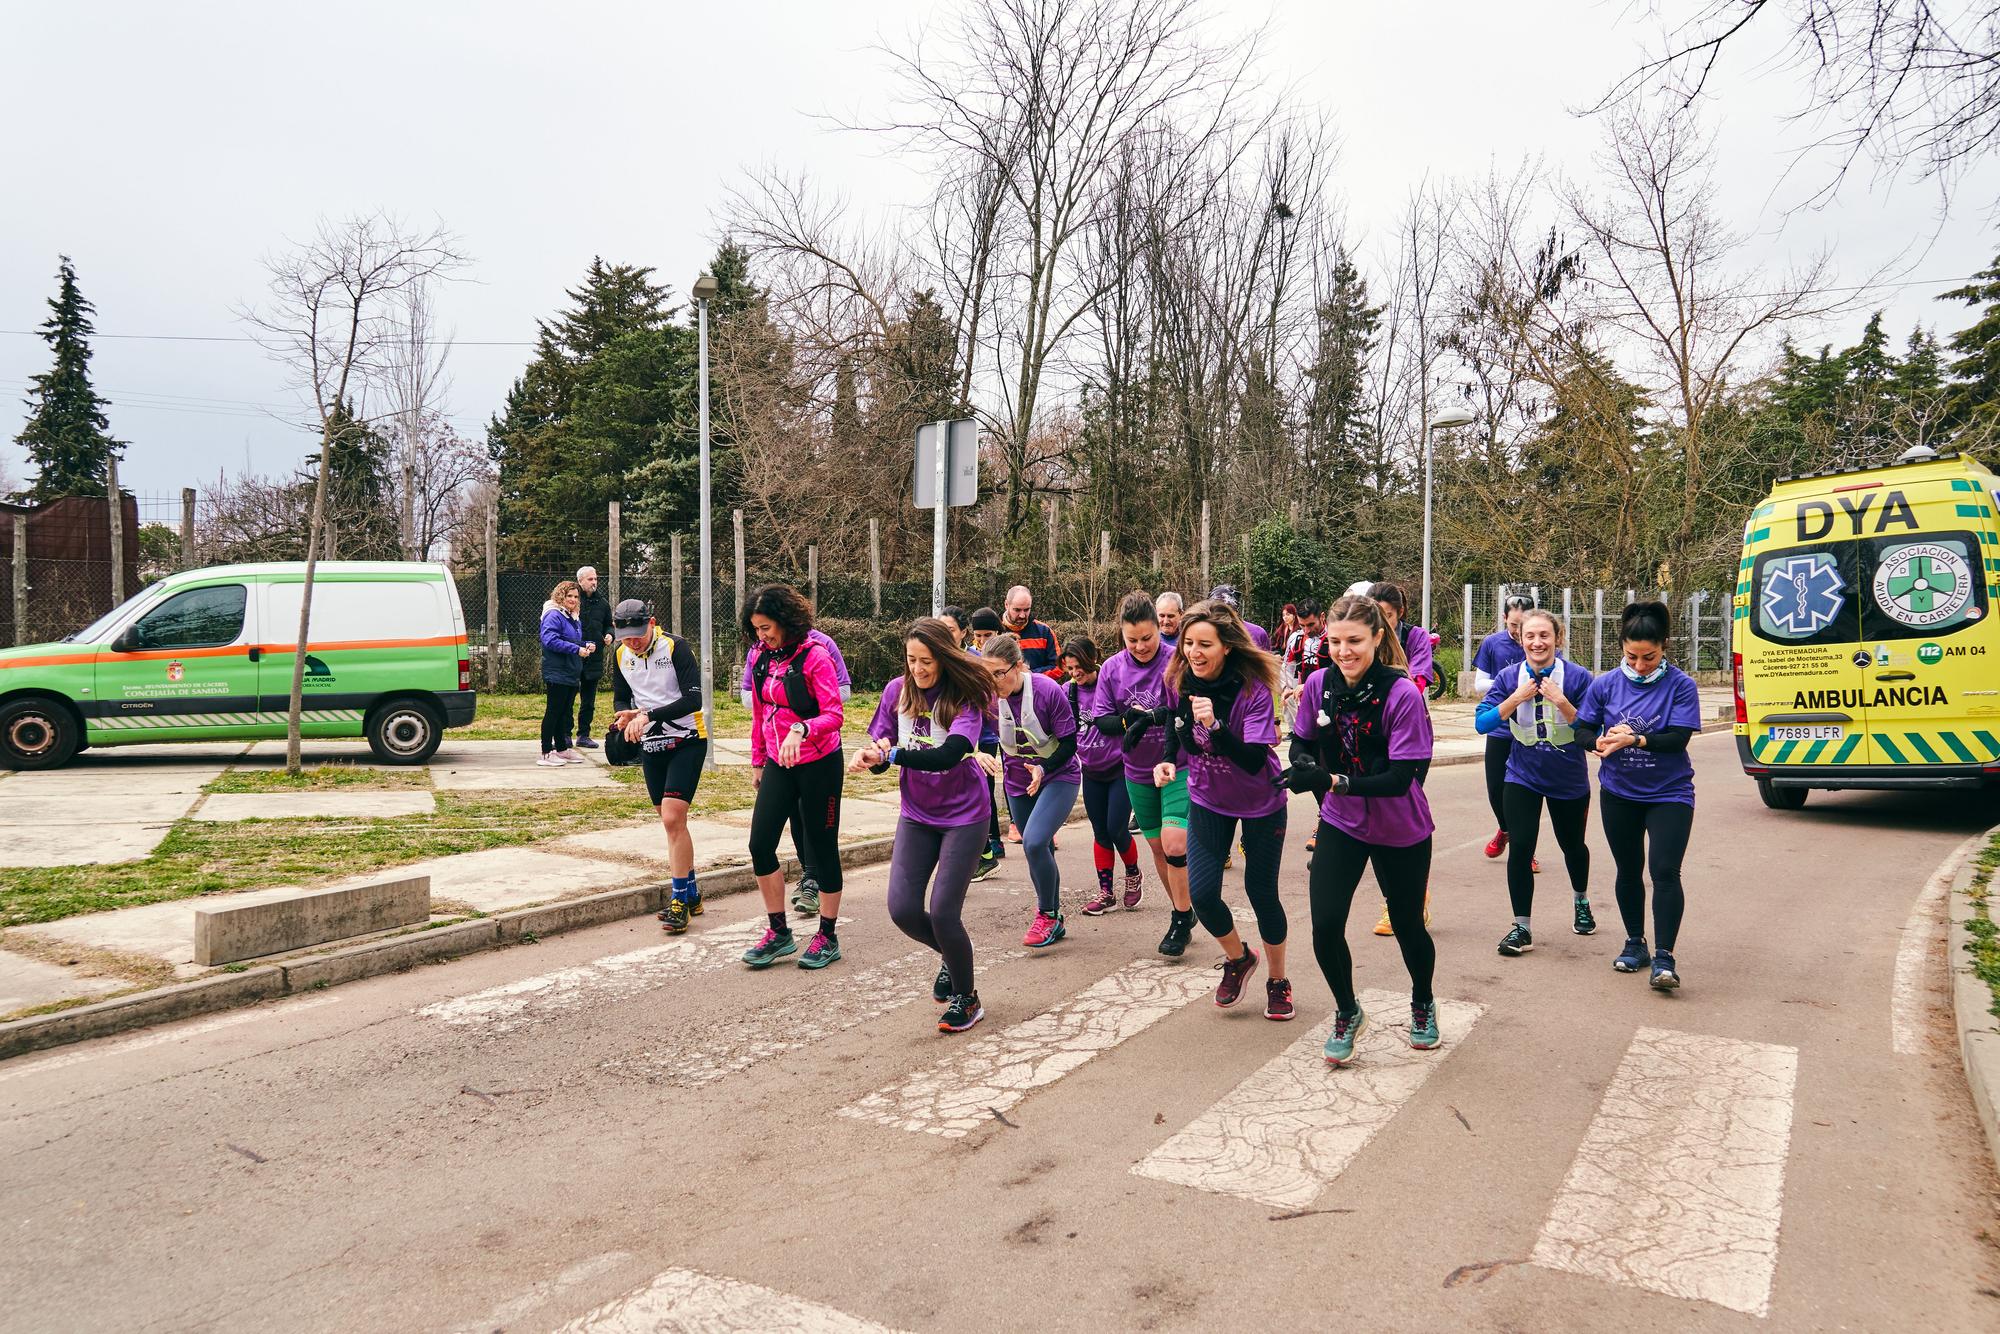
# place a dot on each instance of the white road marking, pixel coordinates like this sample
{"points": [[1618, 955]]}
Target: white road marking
{"points": [[1921, 933], [515, 1005], [13, 1071], [1282, 1135], [728, 1045], [685, 1300], [539, 1294], [1679, 1183], [990, 1075]]}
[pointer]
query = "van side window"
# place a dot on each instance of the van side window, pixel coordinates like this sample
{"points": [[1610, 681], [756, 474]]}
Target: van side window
{"points": [[198, 618], [1807, 595], [1929, 584]]}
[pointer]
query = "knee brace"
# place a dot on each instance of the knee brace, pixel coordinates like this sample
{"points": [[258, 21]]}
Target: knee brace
{"points": [[1177, 859]]}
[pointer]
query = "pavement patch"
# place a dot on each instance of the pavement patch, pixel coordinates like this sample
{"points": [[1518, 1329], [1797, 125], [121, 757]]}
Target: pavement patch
{"points": [[501, 878], [683, 1301], [26, 982]]}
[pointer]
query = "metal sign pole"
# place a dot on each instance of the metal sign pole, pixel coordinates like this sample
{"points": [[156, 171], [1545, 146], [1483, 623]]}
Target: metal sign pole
{"points": [[938, 533]]}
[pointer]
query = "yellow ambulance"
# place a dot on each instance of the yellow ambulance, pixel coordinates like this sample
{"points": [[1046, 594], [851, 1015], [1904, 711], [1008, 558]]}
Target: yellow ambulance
{"points": [[1864, 644]]}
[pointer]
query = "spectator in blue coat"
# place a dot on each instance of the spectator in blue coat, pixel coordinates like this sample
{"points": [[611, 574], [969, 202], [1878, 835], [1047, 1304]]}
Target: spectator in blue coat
{"points": [[564, 650]]}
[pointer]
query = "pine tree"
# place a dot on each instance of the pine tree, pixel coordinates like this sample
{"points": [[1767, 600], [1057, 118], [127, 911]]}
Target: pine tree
{"points": [[1867, 407], [1919, 391], [1972, 401], [1337, 417], [358, 504], [67, 438]]}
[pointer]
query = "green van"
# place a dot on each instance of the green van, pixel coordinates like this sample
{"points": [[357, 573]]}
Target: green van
{"points": [[207, 656]]}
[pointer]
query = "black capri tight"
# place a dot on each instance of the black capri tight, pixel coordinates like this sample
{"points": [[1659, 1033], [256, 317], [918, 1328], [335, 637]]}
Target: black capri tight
{"points": [[1337, 864], [1569, 816], [813, 790], [557, 702], [1498, 746], [1209, 837], [1649, 835], [1110, 809]]}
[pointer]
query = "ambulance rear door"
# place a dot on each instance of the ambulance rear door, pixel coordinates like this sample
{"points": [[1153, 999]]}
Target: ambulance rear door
{"points": [[1802, 678]]}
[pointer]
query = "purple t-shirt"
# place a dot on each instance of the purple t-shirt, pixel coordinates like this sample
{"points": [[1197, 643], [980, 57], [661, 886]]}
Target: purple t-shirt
{"points": [[956, 796], [1222, 785], [1496, 651], [1390, 822], [1096, 753], [1632, 773], [1052, 713], [1548, 765], [1125, 681], [1258, 636], [1417, 648]]}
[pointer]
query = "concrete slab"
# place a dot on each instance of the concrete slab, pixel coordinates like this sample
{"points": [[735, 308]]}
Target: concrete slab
{"points": [[501, 878], [25, 982], [520, 776], [162, 930], [224, 807], [313, 917], [715, 844], [102, 781], [71, 845], [36, 810]]}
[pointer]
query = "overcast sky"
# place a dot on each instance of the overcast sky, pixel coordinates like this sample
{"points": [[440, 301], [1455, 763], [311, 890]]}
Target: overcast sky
{"points": [[170, 148]]}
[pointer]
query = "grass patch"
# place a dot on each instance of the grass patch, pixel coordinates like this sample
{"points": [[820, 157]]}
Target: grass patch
{"points": [[518, 717], [1984, 947], [322, 778]]}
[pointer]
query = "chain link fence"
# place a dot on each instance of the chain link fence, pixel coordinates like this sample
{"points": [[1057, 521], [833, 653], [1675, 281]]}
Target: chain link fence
{"points": [[1701, 622]]}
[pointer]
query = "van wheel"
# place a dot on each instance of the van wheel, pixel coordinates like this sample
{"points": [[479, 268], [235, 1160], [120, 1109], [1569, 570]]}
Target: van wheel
{"points": [[1781, 798], [405, 731], [37, 734]]}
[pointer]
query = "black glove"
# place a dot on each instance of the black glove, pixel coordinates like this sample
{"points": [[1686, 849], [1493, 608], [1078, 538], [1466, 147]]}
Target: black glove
{"points": [[1305, 776]]}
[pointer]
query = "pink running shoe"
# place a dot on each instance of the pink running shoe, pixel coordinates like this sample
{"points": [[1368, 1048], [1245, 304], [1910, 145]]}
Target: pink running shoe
{"points": [[1133, 888], [1104, 902], [1044, 931]]}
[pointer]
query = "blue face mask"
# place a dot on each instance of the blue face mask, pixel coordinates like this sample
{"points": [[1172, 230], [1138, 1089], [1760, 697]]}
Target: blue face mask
{"points": [[1645, 680]]}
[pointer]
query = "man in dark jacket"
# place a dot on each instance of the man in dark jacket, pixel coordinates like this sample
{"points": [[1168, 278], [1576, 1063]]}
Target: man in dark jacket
{"points": [[1039, 650], [594, 611]]}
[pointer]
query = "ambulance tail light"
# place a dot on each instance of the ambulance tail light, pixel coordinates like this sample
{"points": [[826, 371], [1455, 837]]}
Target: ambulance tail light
{"points": [[465, 676], [1736, 668]]}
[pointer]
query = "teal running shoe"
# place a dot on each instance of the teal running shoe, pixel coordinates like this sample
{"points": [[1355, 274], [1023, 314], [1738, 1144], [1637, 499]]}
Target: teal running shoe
{"points": [[821, 950], [1424, 1026], [1346, 1029], [770, 948]]}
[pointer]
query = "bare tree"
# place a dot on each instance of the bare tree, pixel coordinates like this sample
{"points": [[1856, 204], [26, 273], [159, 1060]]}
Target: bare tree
{"points": [[330, 313], [415, 384]]}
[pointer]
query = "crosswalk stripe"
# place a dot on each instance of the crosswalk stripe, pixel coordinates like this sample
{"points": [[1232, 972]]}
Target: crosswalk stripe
{"points": [[1679, 1182], [1282, 1135], [729, 1045], [515, 1005], [990, 1075], [687, 1300]]}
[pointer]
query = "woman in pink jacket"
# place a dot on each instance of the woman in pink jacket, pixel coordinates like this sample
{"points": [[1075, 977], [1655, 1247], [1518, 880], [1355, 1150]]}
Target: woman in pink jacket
{"points": [[795, 717]]}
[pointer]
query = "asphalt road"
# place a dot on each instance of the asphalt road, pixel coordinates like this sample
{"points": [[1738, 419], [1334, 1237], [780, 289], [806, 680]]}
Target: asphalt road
{"points": [[609, 1131]]}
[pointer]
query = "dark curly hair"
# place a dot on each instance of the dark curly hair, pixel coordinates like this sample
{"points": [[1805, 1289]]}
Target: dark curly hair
{"points": [[784, 605]]}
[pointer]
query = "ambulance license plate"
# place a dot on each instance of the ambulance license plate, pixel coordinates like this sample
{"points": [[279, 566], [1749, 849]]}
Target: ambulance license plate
{"points": [[1819, 732]]}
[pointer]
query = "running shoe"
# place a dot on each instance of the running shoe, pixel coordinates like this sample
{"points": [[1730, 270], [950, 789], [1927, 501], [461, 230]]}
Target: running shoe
{"points": [[1665, 976], [1235, 972], [941, 989], [1229, 862], [551, 761], [1633, 957], [1535, 865], [770, 948], [1312, 843], [961, 1013], [1179, 932], [1585, 923], [1044, 931], [1134, 889], [1346, 1029], [1382, 927], [995, 848], [1278, 999], [674, 917], [1518, 941], [988, 864], [1423, 1026], [1013, 834], [1104, 902], [694, 904], [805, 897], [821, 950], [1497, 844], [572, 756], [585, 743]]}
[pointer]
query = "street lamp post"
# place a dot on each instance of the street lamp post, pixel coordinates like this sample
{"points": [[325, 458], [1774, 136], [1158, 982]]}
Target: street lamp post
{"points": [[705, 288], [1456, 415]]}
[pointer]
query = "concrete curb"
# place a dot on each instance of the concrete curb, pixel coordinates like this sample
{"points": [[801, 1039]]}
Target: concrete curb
{"points": [[1972, 1000]]}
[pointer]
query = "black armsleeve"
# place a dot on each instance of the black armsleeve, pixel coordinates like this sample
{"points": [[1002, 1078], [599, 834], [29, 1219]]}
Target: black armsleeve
{"points": [[1391, 782], [1110, 724], [1302, 750], [1065, 748], [934, 759], [690, 679], [1248, 756], [1587, 733], [621, 689], [1669, 740]]}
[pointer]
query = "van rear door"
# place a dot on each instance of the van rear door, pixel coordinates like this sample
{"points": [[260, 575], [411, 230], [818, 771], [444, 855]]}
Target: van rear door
{"points": [[1934, 652], [1801, 668]]}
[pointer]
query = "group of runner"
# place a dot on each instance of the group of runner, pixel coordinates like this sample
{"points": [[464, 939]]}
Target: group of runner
{"points": [[1175, 737]]}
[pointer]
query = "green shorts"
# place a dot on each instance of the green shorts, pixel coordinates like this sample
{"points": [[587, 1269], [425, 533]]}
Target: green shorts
{"points": [[1159, 807]]}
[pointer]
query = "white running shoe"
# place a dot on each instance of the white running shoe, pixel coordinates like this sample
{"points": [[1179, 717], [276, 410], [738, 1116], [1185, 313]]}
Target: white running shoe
{"points": [[571, 756], [551, 761]]}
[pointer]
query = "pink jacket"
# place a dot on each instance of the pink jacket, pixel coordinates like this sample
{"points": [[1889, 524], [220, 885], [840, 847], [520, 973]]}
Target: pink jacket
{"points": [[771, 718]]}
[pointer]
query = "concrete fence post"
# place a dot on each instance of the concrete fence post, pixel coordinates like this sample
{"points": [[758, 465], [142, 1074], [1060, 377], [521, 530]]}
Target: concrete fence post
{"points": [[875, 565], [1694, 632], [1597, 636], [1566, 611], [674, 596], [812, 574], [492, 598], [20, 578], [1104, 548], [738, 517], [187, 527], [117, 530], [616, 554], [1052, 503], [1205, 585], [1465, 631]]}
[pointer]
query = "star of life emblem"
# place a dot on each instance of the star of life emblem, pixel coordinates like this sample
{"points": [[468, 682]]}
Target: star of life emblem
{"points": [[1803, 594]]}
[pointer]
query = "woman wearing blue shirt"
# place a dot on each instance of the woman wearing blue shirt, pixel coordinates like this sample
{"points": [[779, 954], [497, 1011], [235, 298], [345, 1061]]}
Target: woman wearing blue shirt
{"points": [[1534, 702], [1497, 652]]}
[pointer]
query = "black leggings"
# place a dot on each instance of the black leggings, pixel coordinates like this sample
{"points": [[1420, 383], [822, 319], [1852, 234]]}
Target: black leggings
{"points": [[586, 705], [557, 704], [1209, 837], [814, 790], [941, 860], [1649, 835], [1498, 746], [1109, 807], [993, 817], [1337, 864], [1568, 816]]}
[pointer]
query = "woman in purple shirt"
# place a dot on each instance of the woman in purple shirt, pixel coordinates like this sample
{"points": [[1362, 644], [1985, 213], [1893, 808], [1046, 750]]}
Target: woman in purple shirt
{"points": [[1640, 719], [1104, 796], [1361, 735], [1535, 701], [928, 726], [1042, 777], [1224, 728]]}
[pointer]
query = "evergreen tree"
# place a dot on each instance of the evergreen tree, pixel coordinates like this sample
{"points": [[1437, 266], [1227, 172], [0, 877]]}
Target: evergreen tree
{"points": [[358, 502], [1919, 391], [1338, 421], [67, 438], [1972, 401], [1867, 410]]}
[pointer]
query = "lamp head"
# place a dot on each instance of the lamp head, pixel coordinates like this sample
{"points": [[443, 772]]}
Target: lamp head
{"points": [[1455, 415], [705, 288]]}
